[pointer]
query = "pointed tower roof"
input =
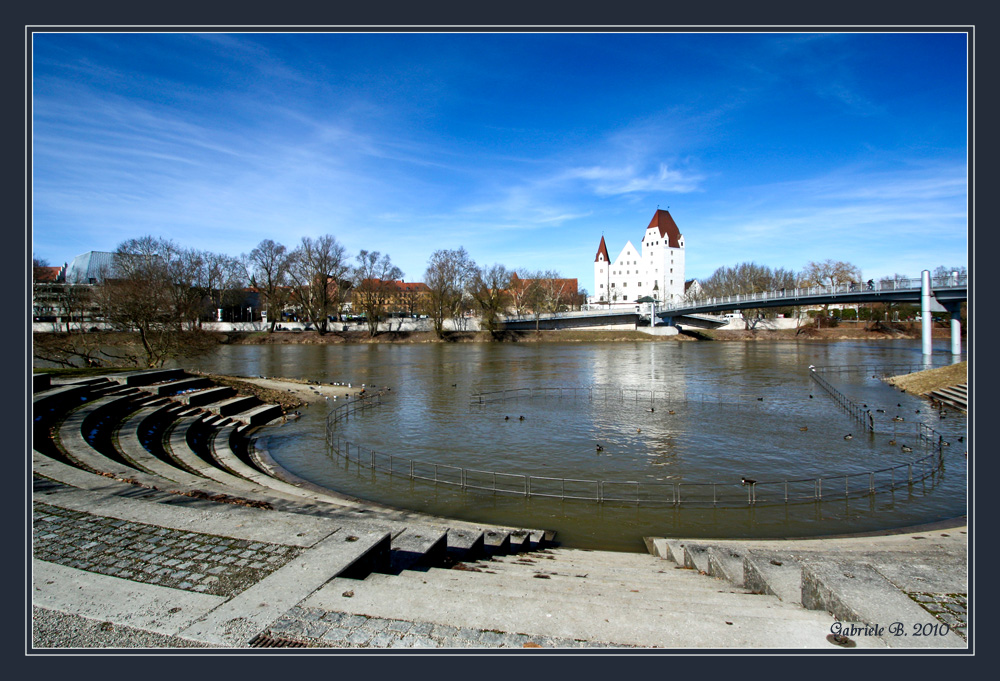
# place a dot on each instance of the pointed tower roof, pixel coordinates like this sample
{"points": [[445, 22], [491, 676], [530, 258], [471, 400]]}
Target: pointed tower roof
{"points": [[602, 250], [668, 228]]}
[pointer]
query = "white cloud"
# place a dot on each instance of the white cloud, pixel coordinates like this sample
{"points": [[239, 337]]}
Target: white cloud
{"points": [[608, 181]]}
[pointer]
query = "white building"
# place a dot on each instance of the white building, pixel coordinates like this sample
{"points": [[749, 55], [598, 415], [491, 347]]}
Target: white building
{"points": [[655, 269]]}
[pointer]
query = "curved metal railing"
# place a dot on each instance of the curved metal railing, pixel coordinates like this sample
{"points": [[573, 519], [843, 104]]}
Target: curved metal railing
{"points": [[677, 494]]}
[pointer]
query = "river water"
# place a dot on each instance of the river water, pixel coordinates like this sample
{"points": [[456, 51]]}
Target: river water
{"points": [[739, 410]]}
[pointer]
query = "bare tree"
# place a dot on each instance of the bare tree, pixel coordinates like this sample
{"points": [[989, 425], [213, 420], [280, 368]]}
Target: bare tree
{"points": [[525, 290], [447, 278], [489, 291], [139, 293], [318, 269], [374, 285], [945, 276], [266, 269]]}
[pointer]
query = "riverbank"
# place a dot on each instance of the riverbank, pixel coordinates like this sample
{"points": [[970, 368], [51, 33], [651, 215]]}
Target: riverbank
{"points": [[878, 332], [923, 382]]}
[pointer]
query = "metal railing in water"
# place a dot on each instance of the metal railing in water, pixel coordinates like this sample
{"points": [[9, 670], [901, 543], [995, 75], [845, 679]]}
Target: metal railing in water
{"points": [[610, 394], [677, 494]]}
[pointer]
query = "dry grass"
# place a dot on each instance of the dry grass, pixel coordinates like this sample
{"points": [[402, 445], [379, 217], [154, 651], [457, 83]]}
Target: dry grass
{"points": [[922, 382]]}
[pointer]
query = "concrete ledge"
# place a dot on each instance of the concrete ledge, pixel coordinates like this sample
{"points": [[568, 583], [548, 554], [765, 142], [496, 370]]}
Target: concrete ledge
{"points": [[40, 382], [240, 619], [233, 405], [208, 396], [774, 573], [855, 592], [141, 378], [175, 387]]}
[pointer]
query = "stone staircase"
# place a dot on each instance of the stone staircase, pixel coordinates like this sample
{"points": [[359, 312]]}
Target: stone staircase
{"points": [[956, 396], [102, 445], [916, 580]]}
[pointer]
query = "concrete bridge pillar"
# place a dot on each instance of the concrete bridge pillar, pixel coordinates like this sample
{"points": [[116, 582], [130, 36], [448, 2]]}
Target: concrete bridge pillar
{"points": [[925, 311], [956, 327]]}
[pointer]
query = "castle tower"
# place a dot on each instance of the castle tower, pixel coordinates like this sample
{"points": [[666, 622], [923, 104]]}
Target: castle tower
{"points": [[655, 269]]}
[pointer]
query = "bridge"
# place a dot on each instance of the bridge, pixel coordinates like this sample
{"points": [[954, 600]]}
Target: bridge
{"points": [[945, 295]]}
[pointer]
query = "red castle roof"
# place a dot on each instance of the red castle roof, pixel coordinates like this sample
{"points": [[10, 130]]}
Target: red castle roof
{"points": [[668, 228], [602, 250]]}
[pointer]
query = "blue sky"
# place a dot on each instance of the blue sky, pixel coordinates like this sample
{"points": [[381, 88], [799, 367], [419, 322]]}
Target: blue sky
{"points": [[523, 148]]}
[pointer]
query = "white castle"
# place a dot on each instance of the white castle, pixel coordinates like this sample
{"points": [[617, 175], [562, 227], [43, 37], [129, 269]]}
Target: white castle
{"points": [[656, 270]]}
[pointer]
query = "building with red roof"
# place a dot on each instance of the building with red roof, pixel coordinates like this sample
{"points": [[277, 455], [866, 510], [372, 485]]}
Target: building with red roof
{"points": [[654, 270]]}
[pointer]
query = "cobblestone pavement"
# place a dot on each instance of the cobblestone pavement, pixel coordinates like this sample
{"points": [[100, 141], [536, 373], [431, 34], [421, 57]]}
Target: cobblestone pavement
{"points": [[951, 609], [206, 563], [327, 629]]}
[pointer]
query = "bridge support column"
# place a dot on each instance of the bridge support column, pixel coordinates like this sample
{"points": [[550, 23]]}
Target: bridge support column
{"points": [[956, 328], [925, 311]]}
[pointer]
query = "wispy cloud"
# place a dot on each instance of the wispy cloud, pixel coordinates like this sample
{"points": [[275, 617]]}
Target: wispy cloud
{"points": [[606, 181]]}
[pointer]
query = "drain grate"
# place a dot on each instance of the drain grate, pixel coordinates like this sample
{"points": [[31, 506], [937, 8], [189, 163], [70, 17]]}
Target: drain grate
{"points": [[267, 641]]}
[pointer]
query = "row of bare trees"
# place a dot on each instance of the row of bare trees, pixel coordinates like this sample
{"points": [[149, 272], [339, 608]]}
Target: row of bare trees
{"points": [[159, 289]]}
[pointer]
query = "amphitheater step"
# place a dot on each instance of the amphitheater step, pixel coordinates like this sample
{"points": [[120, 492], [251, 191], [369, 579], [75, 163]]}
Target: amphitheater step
{"points": [[144, 378], [856, 592], [494, 608], [233, 405], [207, 396], [773, 572], [257, 416], [181, 385], [40, 382], [687, 592]]}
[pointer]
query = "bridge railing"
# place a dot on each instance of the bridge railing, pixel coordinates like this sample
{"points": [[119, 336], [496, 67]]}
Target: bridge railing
{"points": [[799, 292]]}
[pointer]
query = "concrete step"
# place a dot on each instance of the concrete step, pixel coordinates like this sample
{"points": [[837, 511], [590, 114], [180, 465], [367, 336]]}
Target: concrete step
{"points": [[693, 593], [399, 598], [855, 592], [259, 415], [415, 548], [773, 572], [207, 396], [40, 382], [131, 448], [585, 579], [181, 385], [726, 562], [233, 405], [143, 378]]}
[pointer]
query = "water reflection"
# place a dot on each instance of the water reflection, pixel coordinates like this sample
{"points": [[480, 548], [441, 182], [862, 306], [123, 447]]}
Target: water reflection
{"points": [[739, 409]]}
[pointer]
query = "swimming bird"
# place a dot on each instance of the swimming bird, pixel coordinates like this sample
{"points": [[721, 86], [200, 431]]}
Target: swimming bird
{"points": [[760, 399], [892, 443], [506, 418], [907, 449], [638, 430], [810, 397], [945, 443], [804, 428], [520, 418], [651, 409], [897, 418], [865, 406], [849, 436], [671, 412], [880, 411], [747, 481], [600, 448], [961, 438]]}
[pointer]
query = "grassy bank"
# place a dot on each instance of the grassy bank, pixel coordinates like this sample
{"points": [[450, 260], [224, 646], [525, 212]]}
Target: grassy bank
{"points": [[923, 382]]}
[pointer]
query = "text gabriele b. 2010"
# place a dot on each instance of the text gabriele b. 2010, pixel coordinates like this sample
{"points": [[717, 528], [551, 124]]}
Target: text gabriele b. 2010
{"points": [[894, 629]]}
